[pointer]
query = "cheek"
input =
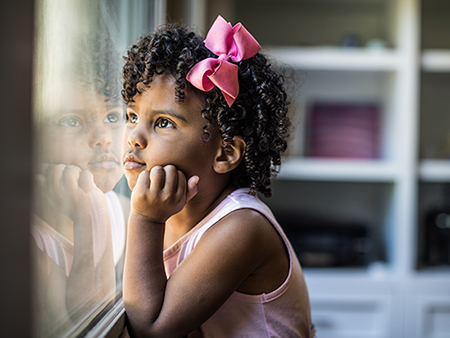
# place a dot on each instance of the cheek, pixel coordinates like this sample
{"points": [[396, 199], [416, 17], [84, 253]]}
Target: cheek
{"points": [[195, 160], [116, 136], [124, 139], [65, 148]]}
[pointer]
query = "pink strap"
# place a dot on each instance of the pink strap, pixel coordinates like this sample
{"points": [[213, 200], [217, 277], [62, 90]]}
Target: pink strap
{"points": [[230, 44]]}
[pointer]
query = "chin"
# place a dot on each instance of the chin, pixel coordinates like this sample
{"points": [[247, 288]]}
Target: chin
{"points": [[107, 181], [131, 181]]}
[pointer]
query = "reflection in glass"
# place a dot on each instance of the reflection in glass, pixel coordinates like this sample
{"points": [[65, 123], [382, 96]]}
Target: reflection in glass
{"points": [[78, 224]]}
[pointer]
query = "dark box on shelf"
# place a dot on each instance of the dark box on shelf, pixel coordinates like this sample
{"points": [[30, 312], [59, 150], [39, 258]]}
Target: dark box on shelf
{"points": [[322, 243], [437, 237], [343, 130]]}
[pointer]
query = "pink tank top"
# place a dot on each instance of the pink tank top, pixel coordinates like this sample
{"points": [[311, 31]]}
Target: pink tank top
{"points": [[283, 312]]}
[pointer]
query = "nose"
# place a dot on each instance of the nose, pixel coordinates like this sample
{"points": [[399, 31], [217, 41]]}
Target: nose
{"points": [[100, 136], [136, 138]]}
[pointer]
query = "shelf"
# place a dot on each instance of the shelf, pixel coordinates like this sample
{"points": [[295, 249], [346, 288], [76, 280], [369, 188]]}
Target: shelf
{"points": [[435, 170], [435, 272], [338, 170], [334, 58], [435, 60], [375, 272]]}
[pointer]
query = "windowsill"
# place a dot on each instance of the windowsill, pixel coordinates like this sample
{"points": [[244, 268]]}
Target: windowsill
{"points": [[111, 325]]}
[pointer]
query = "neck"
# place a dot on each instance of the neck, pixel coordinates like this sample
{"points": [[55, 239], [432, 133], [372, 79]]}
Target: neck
{"points": [[197, 209]]}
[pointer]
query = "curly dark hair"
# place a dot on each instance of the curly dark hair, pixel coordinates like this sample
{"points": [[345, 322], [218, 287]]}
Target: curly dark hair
{"points": [[259, 114]]}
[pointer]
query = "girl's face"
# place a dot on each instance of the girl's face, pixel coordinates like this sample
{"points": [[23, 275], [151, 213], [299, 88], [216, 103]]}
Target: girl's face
{"points": [[161, 131], [86, 132]]}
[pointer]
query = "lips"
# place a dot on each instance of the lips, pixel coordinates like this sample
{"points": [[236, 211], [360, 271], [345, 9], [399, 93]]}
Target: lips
{"points": [[104, 161], [131, 162]]}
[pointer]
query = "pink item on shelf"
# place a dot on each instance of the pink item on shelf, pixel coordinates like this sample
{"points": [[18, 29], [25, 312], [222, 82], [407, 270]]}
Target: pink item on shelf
{"points": [[344, 130], [231, 45]]}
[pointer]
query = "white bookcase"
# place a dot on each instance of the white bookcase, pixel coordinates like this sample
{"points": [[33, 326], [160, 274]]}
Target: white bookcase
{"points": [[396, 294]]}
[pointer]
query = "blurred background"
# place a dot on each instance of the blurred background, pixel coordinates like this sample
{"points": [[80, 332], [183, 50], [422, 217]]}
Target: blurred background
{"points": [[363, 193]]}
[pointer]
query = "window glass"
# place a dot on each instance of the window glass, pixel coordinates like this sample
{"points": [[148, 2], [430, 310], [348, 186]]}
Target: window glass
{"points": [[81, 200]]}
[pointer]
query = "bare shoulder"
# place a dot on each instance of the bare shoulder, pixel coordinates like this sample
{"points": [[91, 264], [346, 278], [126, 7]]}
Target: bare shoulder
{"points": [[244, 225], [254, 240]]}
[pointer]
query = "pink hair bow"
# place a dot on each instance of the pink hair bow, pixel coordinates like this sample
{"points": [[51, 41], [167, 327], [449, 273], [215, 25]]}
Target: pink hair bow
{"points": [[230, 44]]}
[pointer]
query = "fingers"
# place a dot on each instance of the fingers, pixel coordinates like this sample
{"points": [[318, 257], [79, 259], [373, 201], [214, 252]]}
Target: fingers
{"points": [[164, 180], [69, 178], [54, 175], [172, 178], [40, 181], [157, 179], [192, 187], [143, 179], [42, 168], [61, 179], [86, 180], [180, 191], [162, 192], [168, 180]]}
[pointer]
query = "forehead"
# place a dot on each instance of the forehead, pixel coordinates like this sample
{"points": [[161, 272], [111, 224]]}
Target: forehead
{"points": [[80, 99], [160, 93]]}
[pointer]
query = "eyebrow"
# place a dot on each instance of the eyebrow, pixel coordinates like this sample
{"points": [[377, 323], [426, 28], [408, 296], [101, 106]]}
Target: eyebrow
{"points": [[114, 106], [85, 111], [171, 113], [62, 112], [163, 112]]}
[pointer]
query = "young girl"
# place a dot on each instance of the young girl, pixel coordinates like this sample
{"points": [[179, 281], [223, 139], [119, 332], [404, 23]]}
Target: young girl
{"points": [[207, 124], [78, 224]]}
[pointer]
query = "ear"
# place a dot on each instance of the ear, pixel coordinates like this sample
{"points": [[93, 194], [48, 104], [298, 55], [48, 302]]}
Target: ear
{"points": [[228, 157]]}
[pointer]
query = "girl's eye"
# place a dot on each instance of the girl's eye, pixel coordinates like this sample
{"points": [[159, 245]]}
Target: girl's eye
{"points": [[164, 123], [132, 118], [112, 118], [69, 121]]}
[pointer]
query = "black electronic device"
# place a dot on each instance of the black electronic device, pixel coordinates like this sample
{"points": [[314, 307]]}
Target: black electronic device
{"points": [[324, 243]]}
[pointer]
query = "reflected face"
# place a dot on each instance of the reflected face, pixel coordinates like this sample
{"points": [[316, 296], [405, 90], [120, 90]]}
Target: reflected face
{"points": [[86, 132], [161, 131]]}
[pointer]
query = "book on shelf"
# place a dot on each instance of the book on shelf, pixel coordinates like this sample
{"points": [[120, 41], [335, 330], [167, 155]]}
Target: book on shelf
{"points": [[343, 130]]}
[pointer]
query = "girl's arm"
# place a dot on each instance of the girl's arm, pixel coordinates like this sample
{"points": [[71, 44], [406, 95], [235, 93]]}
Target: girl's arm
{"points": [[225, 256], [92, 279], [70, 196], [145, 279]]}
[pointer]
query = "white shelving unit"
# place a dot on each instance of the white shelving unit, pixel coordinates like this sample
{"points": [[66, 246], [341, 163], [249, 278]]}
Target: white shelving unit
{"points": [[434, 170], [333, 58], [436, 60], [395, 294], [297, 168], [429, 309]]}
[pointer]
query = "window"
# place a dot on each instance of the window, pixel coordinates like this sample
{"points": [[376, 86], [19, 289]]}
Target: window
{"points": [[80, 199]]}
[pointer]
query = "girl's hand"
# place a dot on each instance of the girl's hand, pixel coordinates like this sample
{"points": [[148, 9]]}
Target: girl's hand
{"points": [[65, 189], [162, 192]]}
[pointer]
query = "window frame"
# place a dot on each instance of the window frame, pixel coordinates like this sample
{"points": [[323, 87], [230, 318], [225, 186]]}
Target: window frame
{"points": [[16, 39], [17, 28], [111, 325]]}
